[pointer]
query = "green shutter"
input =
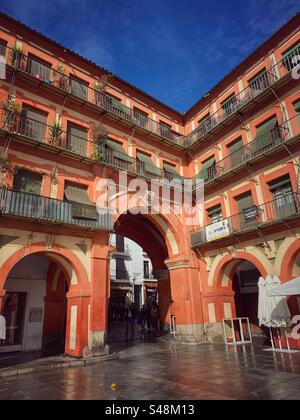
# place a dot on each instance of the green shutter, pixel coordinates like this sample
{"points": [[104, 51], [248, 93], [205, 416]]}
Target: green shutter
{"points": [[79, 89], [77, 139], [170, 168], [244, 202], [118, 151], [280, 183], [34, 124], [215, 213], [264, 136], [76, 193], [204, 173], [82, 208], [150, 168], [235, 146], [297, 106], [291, 51]]}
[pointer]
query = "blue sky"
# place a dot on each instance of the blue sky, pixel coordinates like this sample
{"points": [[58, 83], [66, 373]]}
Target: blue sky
{"points": [[174, 50]]}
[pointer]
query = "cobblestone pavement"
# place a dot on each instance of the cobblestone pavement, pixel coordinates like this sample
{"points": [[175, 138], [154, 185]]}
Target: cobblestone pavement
{"points": [[168, 371]]}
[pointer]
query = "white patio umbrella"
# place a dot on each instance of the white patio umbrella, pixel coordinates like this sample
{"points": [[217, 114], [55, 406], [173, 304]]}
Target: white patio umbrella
{"points": [[273, 311], [291, 288]]}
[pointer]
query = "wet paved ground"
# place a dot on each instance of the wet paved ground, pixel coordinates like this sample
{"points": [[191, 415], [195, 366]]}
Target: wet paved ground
{"points": [[168, 371]]}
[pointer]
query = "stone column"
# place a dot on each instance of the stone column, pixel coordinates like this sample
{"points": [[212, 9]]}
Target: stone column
{"points": [[100, 288], [77, 323], [187, 300]]}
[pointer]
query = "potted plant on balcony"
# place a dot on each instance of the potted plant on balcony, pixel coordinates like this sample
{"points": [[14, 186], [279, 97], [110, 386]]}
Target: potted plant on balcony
{"points": [[56, 131], [99, 137], [4, 165], [10, 108], [17, 58], [100, 87], [99, 133], [59, 77]]}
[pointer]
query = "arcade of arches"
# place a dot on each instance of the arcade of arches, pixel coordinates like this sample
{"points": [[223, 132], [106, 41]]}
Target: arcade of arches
{"points": [[62, 304]]}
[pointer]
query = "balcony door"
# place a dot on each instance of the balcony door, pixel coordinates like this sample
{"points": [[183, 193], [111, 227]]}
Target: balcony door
{"points": [[77, 139], [284, 201], [34, 124], [26, 198], [247, 213]]}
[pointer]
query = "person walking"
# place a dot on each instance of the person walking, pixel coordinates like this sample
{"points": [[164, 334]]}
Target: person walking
{"points": [[154, 317], [130, 316]]}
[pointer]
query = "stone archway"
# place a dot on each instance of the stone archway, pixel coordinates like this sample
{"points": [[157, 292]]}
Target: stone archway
{"points": [[164, 239], [78, 297]]}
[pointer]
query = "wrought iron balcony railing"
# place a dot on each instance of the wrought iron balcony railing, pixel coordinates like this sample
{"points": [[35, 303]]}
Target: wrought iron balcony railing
{"points": [[238, 101], [21, 125], [282, 208], [247, 153], [44, 209], [59, 80]]}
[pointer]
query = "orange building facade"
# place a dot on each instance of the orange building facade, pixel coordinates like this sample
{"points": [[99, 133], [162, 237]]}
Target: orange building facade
{"points": [[66, 125]]}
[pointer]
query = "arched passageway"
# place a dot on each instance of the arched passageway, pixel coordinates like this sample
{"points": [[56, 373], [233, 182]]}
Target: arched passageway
{"points": [[145, 233], [35, 306]]}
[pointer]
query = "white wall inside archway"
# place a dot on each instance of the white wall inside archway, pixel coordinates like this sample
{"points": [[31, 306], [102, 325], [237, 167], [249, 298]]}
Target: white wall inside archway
{"points": [[29, 276]]}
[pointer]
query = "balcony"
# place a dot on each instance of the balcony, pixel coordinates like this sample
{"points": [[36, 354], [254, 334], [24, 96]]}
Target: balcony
{"points": [[31, 130], [261, 146], [281, 209], [65, 85], [14, 204], [241, 101]]}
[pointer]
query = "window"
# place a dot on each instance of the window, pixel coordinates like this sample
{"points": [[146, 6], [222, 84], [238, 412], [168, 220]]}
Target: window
{"points": [[140, 117], [79, 88], [244, 202], [289, 57], [297, 109], [267, 135], [236, 154], [146, 270], [121, 270], [77, 139], [282, 192], [82, 207], [208, 170], [34, 124], [120, 243], [39, 69], [146, 165], [215, 214], [28, 182], [3, 45], [165, 129], [229, 106], [170, 172], [259, 83], [117, 155], [204, 124]]}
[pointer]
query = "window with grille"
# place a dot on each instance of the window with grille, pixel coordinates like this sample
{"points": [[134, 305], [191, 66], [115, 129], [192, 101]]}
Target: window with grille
{"points": [[215, 214], [3, 46], [77, 138], [28, 182], [39, 69], [79, 88], [34, 124]]}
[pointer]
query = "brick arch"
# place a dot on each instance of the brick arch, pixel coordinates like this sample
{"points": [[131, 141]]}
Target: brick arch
{"points": [[288, 261], [55, 253], [228, 265]]}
